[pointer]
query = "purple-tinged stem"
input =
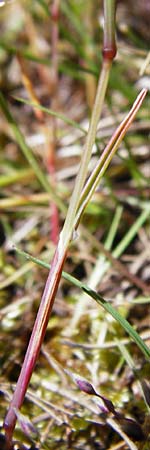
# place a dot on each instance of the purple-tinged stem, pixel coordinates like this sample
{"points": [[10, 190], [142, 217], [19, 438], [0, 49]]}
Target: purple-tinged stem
{"points": [[36, 340], [52, 283], [51, 151]]}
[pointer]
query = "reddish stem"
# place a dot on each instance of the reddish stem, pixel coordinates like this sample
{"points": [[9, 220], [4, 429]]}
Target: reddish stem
{"points": [[55, 10], [54, 210], [35, 342]]}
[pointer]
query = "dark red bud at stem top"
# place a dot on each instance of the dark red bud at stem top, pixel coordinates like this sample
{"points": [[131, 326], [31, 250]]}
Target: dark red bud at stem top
{"points": [[55, 11], [109, 43]]}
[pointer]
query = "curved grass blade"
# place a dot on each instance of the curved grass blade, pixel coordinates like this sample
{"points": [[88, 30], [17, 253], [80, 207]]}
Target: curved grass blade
{"points": [[100, 300], [52, 113], [107, 156]]}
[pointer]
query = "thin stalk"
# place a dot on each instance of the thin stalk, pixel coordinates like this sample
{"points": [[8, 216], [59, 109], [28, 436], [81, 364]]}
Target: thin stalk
{"points": [[117, 264], [74, 203], [109, 52], [99, 299], [45, 308], [50, 112], [51, 134], [132, 232], [107, 155], [50, 290], [102, 266], [109, 44], [52, 283], [36, 339]]}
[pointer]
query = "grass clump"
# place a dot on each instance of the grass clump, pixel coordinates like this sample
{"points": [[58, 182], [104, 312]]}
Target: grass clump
{"points": [[53, 72]]}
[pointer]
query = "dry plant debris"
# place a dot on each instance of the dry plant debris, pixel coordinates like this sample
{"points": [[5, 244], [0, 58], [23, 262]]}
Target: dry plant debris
{"points": [[53, 60]]}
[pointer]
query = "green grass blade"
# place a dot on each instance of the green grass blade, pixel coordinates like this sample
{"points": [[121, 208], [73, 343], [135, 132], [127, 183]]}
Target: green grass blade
{"points": [[52, 113], [130, 235], [120, 319], [28, 154], [27, 54], [15, 177], [113, 228], [105, 304], [107, 156]]}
